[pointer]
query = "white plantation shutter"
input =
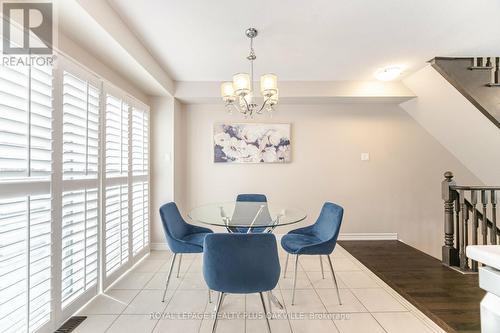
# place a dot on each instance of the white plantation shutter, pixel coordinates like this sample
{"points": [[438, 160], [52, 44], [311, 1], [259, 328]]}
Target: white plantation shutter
{"points": [[140, 214], [79, 243], [25, 201], [25, 121], [140, 186], [117, 125], [117, 227], [25, 263], [80, 196], [116, 199], [74, 188], [80, 128]]}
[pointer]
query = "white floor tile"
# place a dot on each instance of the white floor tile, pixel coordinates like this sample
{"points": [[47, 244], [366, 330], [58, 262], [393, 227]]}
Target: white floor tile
{"points": [[188, 301], [95, 324], [177, 325], [149, 266], [302, 281], [159, 280], [259, 326], [133, 281], [133, 324], [305, 301], [316, 326], [349, 302], [233, 303], [193, 281], [319, 282], [395, 322], [378, 300], [224, 326], [343, 264], [357, 323], [147, 302], [357, 279], [112, 302]]}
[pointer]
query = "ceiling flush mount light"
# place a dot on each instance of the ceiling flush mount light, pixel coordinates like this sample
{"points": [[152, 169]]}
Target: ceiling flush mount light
{"points": [[239, 95], [388, 73]]}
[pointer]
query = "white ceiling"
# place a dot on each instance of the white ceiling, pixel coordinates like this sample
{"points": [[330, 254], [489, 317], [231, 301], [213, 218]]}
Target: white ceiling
{"points": [[201, 40]]}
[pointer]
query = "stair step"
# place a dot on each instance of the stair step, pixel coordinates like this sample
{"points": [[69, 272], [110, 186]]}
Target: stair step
{"points": [[493, 84], [481, 67]]}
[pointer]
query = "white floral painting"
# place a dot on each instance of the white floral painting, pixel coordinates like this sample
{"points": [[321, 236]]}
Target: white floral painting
{"points": [[251, 143]]}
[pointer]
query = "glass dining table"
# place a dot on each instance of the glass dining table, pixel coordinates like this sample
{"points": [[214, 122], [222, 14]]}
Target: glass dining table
{"points": [[246, 216]]}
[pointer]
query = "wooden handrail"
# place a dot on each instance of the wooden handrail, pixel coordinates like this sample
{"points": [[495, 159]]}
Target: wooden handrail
{"points": [[480, 216], [474, 188]]}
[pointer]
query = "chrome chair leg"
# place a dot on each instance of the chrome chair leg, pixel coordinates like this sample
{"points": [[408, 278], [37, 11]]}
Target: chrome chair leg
{"points": [[322, 271], [168, 276], [217, 309], [269, 300], [265, 312], [218, 300], [209, 296], [334, 279], [286, 265], [295, 278], [179, 267]]}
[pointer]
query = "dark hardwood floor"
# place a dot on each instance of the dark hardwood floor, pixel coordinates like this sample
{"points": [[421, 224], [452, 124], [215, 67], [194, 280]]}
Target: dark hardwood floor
{"points": [[449, 298]]}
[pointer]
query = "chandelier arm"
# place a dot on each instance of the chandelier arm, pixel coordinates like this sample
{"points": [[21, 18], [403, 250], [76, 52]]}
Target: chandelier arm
{"points": [[247, 106], [264, 104]]}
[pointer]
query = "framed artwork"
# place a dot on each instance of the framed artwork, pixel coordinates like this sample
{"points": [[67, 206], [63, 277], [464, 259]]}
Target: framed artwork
{"points": [[251, 143]]}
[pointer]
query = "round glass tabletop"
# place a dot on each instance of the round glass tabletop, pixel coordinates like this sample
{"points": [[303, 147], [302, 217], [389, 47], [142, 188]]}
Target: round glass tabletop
{"points": [[246, 215]]}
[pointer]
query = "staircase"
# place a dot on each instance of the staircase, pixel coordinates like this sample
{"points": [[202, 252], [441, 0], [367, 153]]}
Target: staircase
{"points": [[470, 218], [477, 79]]}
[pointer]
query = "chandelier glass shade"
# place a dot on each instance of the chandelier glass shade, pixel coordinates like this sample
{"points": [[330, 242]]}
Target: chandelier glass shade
{"points": [[239, 95]]}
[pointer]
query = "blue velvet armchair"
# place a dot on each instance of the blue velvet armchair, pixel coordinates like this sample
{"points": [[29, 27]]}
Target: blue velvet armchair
{"points": [[317, 239], [181, 237], [241, 264]]}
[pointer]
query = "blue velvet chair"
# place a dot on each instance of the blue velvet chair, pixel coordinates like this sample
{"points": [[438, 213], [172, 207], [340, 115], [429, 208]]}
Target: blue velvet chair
{"points": [[317, 239], [181, 237], [237, 214], [241, 264]]}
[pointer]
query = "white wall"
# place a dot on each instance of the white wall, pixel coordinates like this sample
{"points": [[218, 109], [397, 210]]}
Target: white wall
{"points": [[456, 124], [398, 190]]}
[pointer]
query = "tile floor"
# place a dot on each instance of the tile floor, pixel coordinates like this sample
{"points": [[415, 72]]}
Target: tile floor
{"points": [[133, 304]]}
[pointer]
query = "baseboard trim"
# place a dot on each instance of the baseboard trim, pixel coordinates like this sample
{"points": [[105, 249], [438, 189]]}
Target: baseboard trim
{"points": [[342, 236], [368, 236]]}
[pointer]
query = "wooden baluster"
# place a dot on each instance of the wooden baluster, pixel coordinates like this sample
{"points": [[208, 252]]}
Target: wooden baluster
{"points": [[463, 232], [497, 71], [493, 234], [449, 253], [484, 222], [473, 201], [457, 222]]}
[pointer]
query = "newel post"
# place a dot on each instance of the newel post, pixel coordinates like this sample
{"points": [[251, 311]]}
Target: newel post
{"points": [[449, 253]]}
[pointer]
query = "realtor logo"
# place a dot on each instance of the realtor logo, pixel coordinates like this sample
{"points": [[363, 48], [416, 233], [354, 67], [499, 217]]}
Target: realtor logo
{"points": [[27, 28]]}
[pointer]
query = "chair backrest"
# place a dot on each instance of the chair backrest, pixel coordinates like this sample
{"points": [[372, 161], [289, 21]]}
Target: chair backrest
{"points": [[174, 226], [327, 226], [251, 198], [241, 263], [245, 214]]}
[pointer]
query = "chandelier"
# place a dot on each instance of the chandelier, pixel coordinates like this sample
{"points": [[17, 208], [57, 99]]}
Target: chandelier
{"points": [[238, 94]]}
